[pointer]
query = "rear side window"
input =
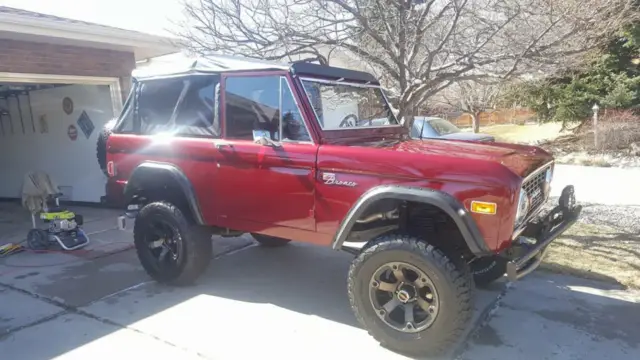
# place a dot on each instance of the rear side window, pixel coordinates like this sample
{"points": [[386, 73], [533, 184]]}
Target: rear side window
{"points": [[197, 112], [184, 106], [157, 101]]}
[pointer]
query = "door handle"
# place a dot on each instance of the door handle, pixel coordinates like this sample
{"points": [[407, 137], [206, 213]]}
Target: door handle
{"points": [[222, 144]]}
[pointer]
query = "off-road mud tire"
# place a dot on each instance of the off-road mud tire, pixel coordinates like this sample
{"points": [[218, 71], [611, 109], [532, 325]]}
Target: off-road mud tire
{"points": [[453, 283], [270, 241], [196, 248], [485, 271], [101, 145]]}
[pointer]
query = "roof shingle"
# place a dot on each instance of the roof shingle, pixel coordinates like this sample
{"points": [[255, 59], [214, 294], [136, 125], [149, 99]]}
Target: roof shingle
{"points": [[37, 15]]}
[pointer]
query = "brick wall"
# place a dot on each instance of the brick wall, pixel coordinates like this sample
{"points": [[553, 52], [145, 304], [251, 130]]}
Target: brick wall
{"points": [[43, 58]]}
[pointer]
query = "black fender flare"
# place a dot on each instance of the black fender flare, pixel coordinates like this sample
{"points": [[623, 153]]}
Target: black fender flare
{"points": [[151, 171], [447, 203]]}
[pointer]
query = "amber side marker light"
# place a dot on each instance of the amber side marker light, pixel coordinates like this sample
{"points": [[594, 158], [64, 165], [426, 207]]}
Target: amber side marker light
{"points": [[482, 207]]}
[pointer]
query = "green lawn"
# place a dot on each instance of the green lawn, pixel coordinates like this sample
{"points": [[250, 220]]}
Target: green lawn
{"points": [[597, 252]]}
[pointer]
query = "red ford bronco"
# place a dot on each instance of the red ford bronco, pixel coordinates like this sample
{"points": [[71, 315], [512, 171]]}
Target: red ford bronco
{"points": [[312, 153]]}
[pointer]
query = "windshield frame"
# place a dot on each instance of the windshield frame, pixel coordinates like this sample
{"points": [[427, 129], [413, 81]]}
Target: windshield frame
{"points": [[354, 84]]}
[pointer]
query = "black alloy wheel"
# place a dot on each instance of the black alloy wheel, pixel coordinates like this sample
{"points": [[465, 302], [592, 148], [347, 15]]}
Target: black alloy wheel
{"points": [[404, 297], [170, 247], [164, 245]]}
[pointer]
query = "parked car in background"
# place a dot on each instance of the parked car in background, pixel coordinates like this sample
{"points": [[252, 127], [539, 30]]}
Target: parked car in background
{"points": [[425, 127]]}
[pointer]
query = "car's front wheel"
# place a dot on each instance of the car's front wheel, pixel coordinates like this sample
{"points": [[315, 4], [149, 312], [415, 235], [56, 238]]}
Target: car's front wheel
{"points": [[487, 270], [170, 248], [410, 296]]}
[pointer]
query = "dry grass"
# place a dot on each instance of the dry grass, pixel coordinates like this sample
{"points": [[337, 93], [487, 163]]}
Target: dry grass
{"points": [[525, 134], [597, 252]]}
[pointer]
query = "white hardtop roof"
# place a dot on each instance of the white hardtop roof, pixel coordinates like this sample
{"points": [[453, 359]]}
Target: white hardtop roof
{"points": [[205, 64]]}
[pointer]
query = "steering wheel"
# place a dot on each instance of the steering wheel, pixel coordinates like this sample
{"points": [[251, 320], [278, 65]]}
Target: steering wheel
{"points": [[349, 121]]}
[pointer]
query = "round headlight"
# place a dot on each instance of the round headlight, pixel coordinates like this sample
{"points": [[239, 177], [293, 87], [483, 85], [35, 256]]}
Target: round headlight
{"points": [[523, 206]]}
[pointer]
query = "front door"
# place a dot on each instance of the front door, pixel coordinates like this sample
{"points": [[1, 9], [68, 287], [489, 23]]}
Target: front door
{"points": [[266, 188]]}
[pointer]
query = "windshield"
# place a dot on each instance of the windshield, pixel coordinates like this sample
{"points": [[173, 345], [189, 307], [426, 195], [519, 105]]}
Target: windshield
{"points": [[341, 105], [443, 127]]}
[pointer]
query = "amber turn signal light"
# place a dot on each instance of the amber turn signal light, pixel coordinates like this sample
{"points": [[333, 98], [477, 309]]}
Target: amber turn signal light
{"points": [[482, 207]]}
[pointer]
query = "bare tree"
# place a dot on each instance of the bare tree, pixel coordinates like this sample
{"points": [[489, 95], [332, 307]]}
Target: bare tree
{"points": [[416, 47], [472, 98]]}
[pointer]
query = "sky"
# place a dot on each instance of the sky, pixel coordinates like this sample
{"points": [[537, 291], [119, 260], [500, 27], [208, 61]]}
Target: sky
{"points": [[150, 16]]}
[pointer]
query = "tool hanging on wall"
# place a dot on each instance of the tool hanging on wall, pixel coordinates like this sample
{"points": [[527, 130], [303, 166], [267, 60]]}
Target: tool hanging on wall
{"points": [[33, 124], [6, 100], [3, 112], [10, 117], [20, 111]]}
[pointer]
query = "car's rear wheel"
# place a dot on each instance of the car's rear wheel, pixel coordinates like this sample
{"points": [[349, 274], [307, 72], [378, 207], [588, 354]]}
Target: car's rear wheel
{"points": [[170, 248], [270, 241], [410, 296]]}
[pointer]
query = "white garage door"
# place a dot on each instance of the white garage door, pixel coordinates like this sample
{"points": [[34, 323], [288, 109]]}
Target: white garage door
{"points": [[55, 130]]}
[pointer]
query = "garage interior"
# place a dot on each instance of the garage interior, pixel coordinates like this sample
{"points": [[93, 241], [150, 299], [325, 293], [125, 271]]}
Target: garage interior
{"points": [[54, 127]]}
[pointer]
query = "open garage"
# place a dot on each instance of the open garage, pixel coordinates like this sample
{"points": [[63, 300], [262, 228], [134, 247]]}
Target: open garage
{"points": [[61, 81]]}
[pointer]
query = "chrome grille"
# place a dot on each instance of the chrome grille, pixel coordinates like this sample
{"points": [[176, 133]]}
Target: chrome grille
{"points": [[535, 186]]}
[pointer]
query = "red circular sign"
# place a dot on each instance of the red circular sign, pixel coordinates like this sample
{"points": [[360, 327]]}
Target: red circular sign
{"points": [[72, 132]]}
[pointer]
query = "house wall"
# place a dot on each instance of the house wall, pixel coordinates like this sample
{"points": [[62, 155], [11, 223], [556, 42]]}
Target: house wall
{"points": [[45, 58], [71, 164]]}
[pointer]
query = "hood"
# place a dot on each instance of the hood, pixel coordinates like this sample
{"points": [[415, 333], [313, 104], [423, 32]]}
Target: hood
{"points": [[520, 159], [468, 136]]}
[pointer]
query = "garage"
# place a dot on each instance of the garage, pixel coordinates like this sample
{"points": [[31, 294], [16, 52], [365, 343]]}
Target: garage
{"points": [[61, 81]]}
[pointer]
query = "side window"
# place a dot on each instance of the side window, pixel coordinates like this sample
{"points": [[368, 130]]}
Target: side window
{"points": [[196, 112], [157, 100], [252, 103], [293, 126], [126, 123], [179, 106]]}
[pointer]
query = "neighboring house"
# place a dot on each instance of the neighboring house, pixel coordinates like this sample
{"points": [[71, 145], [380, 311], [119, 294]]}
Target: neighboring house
{"points": [[61, 80]]}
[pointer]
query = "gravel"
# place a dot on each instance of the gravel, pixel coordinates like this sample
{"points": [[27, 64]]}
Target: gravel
{"points": [[621, 217]]}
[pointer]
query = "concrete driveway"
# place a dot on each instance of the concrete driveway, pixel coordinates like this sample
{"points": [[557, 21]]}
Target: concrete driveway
{"points": [[252, 302], [289, 302], [550, 316]]}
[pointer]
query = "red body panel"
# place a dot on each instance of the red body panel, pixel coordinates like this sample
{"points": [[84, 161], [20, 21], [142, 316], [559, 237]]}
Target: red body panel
{"points": [[280, 191], [197, 158]]}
